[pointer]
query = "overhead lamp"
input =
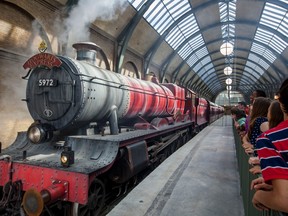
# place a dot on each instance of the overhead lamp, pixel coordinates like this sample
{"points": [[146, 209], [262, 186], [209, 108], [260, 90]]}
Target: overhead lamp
{"points": [[228, 81], [227, 70], [226, 48], [228, 87]]}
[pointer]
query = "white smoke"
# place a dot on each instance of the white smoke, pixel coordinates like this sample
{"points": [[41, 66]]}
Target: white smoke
{"points": [[86, 12]]}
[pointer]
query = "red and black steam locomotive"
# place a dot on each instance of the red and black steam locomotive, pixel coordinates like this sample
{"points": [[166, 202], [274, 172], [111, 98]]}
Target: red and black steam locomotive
{"points": [[94, 131]]}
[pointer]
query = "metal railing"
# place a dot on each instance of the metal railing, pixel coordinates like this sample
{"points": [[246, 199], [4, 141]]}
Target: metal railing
{"points": [[245, 179]]}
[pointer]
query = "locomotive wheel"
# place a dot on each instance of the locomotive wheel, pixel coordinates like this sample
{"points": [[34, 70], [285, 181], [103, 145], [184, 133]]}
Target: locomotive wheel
{"points": [[95, 203]]}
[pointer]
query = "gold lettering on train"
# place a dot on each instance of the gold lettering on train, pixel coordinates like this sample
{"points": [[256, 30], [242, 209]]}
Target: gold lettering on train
{"points": [[42, 59]]}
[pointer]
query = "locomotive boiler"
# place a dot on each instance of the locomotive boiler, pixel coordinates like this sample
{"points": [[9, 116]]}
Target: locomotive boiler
{"points": [[94, 131]]}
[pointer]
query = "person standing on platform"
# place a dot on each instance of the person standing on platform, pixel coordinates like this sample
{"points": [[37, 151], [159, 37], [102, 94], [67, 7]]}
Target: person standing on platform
{"points": [[275, 117], [272, 147], [255, 94], [257, 123], [243, 106]]}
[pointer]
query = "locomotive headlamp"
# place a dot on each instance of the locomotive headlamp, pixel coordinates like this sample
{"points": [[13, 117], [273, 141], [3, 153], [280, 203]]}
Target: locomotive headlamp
{"points": [[67, 157], [35, 134], [38, 133]]}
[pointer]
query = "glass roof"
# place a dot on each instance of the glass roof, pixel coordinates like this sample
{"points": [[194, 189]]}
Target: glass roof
{"points": [[181, 32], [186, 38], [274, 17]]}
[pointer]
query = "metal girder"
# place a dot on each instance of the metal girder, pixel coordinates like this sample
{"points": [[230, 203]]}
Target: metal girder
{"points": [[267, 88], [272, 66], [151, 52], [216, 72], [196, 82], [238, 78], [216, 88], [246, 81], [211, 80], [222, 78], [154, 47], [259, 86], [126, 34], [279, 57], [168, 60]]}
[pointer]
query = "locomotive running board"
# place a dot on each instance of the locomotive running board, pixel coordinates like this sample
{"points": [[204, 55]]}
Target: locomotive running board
{"points": [[90, 154]]}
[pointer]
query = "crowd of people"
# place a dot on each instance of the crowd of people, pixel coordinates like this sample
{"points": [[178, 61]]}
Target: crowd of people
{"points": [[263, 127]]}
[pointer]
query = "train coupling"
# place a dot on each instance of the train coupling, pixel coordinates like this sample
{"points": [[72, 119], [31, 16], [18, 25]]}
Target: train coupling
{"points": [[34, 201]]}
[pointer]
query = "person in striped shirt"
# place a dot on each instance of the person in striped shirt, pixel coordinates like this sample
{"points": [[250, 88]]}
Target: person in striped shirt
{"points": [[272, 147]]}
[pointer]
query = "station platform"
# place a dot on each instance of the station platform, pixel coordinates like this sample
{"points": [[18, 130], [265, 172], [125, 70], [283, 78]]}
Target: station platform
{"points": [[200, 179]]}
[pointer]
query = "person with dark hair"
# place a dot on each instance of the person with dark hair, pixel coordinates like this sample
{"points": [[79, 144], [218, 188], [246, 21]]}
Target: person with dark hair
{"points": [[258, 116], [241, 105], [257, 119], [275, 117], [239, 117], [272, 146], [257, 93], [240, 120], [275, 114]]}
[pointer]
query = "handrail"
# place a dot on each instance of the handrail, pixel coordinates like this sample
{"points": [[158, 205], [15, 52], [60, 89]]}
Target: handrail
{"points": [[245, 179]]}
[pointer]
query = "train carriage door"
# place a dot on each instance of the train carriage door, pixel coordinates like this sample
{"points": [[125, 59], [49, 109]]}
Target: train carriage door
{"points": [[190, 104], [209, 112]]}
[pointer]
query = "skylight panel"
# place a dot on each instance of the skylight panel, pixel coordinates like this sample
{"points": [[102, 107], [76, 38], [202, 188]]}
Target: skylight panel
{"points": [[283, 28], [272, 40], [196, 42], [203, 52], [274, 17], [261, 50], [278, 44], [227, 12], [192, 60], [162, 13], [223, 11], [174, 9], [201, 70], [182, 31], [204, 71], [193, 44], [163, 23], [184, 52], [137, 4], [189, 23], [250, 72], [208, 67], [208, 73], [153, 10], [264, 64], [206, 60], [178, 8], [197, 68], [254, 58], [156, 17], [263, 36]]}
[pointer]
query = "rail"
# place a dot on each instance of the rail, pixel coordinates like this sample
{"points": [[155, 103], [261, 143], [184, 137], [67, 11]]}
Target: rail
{"points": [[245, 179]]}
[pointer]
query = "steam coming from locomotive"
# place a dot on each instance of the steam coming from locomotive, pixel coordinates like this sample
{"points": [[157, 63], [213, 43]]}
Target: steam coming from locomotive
{"points": [[86, 12]]}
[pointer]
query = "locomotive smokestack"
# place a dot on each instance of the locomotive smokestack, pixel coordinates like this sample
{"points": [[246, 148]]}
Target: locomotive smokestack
{"points": [[86, 51]]}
